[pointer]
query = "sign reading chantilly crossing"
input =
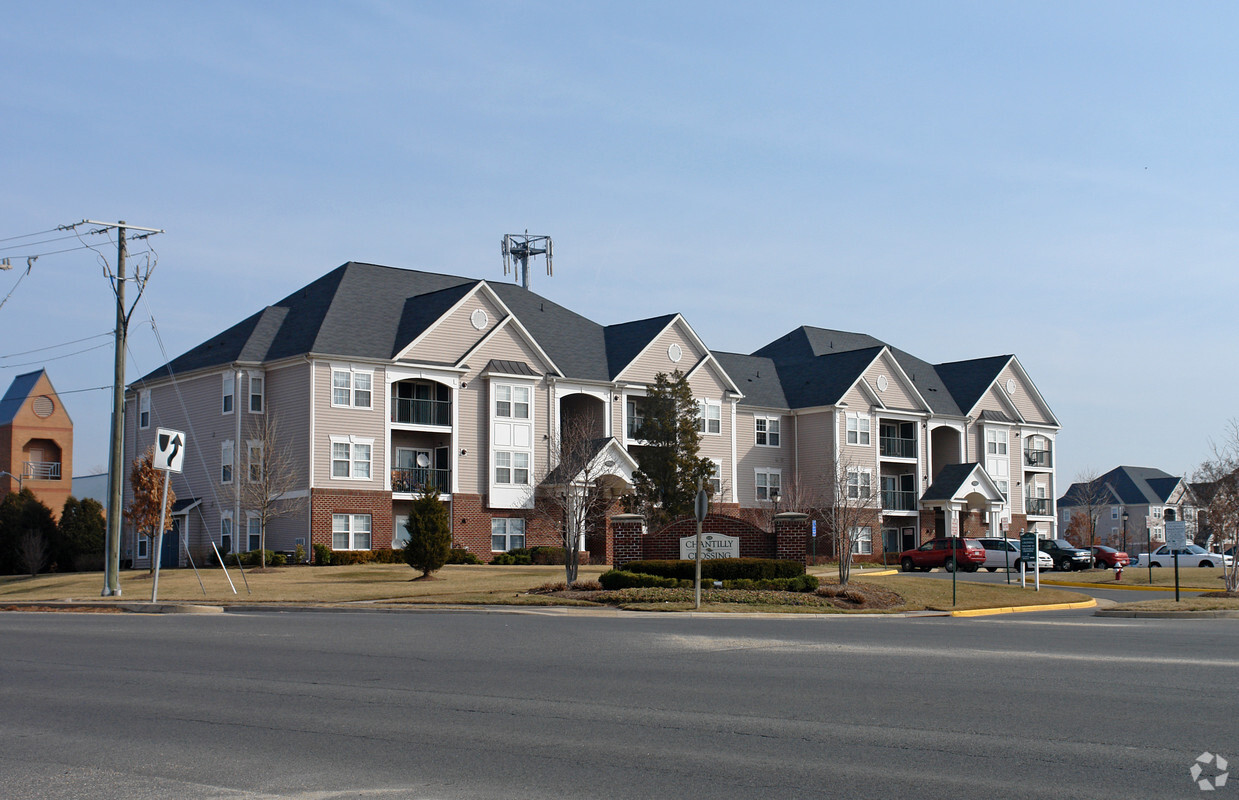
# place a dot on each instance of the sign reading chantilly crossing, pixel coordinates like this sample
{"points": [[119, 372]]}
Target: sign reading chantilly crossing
{"points": [[713, 545]]}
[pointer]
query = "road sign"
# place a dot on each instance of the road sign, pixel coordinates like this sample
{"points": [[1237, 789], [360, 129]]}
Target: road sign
{"points": [[701, 506], [1176, 533], [1028, 548], [169, 450]]}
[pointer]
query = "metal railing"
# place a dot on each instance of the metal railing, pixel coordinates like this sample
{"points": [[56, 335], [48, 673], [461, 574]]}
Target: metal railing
{"points": [[896, 500], [1038, 458], [635, 424], [41, 470], [410, 411], [418, 478], [1040, 506], [897, 447]]}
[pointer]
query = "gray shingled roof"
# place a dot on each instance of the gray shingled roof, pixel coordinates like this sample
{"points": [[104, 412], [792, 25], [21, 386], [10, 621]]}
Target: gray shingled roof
{"points": [[19, 390], [968, 380], [626, 340], [756, 377], [950, 478], [1132, 486]]}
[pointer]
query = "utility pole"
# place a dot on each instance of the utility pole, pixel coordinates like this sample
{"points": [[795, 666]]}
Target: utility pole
{"points": [[116, 456]]}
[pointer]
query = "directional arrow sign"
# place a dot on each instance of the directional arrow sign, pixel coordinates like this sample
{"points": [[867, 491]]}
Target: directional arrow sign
{"points": [[169, 450]]}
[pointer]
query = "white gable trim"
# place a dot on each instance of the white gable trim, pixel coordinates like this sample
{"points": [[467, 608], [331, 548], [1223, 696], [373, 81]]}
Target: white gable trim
{"points": [[709, 360], [1036, 393], [430, 329], [688, 331], [524, 335]]}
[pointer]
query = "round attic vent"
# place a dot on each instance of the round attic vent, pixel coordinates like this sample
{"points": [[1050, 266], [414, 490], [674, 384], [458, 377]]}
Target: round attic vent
{"points": [[675, 353], [882, 383], [43, 406], [479, 319], [1010, 385]]}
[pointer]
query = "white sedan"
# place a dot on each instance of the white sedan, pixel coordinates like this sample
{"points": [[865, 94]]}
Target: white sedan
{"points": [[1192, 555], [1001, 553]]}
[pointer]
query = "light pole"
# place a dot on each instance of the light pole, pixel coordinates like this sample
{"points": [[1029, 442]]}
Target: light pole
{"points": [[18, 478], [1124, 530]]}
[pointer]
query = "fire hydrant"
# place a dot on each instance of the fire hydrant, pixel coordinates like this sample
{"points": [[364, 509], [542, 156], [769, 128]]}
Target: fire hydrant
{"points": [[1118, 572]]}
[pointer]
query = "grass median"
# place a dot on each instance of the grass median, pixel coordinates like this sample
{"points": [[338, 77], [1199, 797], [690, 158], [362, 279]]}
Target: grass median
{"points": [[1201, 578], [490, 585]]}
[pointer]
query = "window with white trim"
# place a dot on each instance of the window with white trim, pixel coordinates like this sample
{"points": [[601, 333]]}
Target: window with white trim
{"points": [[709, 416], [399, 533], [144, 409], [1114, 512], [253, 531], [226, 460], [862, 540], [350, 531], [716, 477], [768, 483], [230, 393], [858, 426], [1155, 511], [257, 384], [506, 533], [351, 457], [225, 533], [511, 402], [351, 388], [511, 467], [996, 441], [254, 453], [143, 544], [860, 484], [767, 431]]}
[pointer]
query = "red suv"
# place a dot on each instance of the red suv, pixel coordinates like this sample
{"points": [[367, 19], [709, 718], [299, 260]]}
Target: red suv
{"points": [[945, 553]]}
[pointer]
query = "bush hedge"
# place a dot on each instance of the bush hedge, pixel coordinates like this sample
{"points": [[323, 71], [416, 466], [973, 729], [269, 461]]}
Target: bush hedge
{"points": [[322, 555], [623, 579], [800, 583], [460, 555], [251, 559], [719, 569]]}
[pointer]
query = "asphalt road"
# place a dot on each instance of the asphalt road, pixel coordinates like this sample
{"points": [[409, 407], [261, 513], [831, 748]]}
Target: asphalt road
{"points": [[503, 705], [1101, 593]]}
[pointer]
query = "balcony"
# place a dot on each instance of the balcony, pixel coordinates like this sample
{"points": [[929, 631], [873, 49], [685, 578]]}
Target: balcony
{"points": [[41, 470], [1038, 458], [897, 447], [416, 411], [416, 480], [896, 500], [1038, 506]]}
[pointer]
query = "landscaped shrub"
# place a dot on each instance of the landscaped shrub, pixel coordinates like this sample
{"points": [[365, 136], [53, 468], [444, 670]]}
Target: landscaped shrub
{"points": [[389, 556], [322, 555], [622, 579], [348, 558], [586, 586], [719, 569], [251, 558], [460, 555], [800, 583], [546, 555], [519, 556]]}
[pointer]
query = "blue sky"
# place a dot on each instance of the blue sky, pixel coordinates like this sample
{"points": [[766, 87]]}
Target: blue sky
{"points": [[959, 179]]}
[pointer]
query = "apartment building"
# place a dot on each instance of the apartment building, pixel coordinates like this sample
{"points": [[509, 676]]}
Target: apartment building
{"points": [[36, 441], [384, 381], [1131, 506]]}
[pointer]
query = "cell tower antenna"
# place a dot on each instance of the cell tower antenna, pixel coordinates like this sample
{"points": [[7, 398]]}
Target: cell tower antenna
{"points": [[518, 247]]}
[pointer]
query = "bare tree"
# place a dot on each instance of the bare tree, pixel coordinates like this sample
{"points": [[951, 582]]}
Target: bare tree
{"points": [[32, 552], [1218, 483], [852, 505], [578, 492], [269, 477], [1089, 495]]}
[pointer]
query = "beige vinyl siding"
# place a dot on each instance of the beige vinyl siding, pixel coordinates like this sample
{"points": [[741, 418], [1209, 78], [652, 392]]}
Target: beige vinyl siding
{"points": [[1024, 399], [898, 394], [655, 359], [367, 423], [288, 405], [474, 419], [750, 457], [452, 336], [865, 456], [282, 533], [815, 450], [706, 386]]}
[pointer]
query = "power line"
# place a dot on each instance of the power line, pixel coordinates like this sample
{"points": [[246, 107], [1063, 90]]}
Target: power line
{"points": [[54, 346], [56, 358], [41, 241], [29, 235]]}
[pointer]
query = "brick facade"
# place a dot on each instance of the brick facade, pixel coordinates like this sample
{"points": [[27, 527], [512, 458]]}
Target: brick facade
{"points": [[786, 541], [325, 502]]}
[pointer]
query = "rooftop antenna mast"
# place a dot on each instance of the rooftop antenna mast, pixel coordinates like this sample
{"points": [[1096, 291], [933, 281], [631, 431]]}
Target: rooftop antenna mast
{"points": [[518, 247]]}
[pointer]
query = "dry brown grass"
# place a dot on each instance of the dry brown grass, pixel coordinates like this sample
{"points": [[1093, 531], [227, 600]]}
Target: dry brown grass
{"points": [[935, 594], [1197, 578], [1186, 604]]}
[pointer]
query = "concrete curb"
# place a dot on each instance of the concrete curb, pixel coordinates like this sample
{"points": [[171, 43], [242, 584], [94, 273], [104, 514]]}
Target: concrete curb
{"points": [[982, 612], [1126, 588], [127, 607], [1216, 614]]}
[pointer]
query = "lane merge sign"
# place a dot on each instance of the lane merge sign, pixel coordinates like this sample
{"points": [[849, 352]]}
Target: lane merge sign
{"points": [[169, 450]]}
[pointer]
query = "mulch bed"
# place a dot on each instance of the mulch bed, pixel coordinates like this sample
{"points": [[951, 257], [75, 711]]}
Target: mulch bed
{"points": [[854, 597], [72, 609]]}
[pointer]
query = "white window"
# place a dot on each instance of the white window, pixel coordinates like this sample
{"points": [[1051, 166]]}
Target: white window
{"points": [[144, 409], [351, 388], [256, 390], [1155, 511], [399, 533], [767, 431], [226, 456], [709, 416], [230, 393], [351, 457], [1114, 512], [862, 540], [768, 483], [716, 477], [996, 441], [511, 467], [1003, 487], [225, 533], [254, 451], [860, 484], [506, 533], [350, 531], [143, 542], [858, 429], [511, 402], [253, 532]]}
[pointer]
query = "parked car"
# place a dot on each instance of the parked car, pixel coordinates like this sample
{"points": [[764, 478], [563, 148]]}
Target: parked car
{"points": [[1193, 555], [946, 553], [1066, 555], [1002, 553], [1109, 558]]}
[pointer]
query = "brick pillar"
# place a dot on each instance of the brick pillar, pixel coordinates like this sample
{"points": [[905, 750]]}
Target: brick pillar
{"points": [[790, 530], [626, 532]]}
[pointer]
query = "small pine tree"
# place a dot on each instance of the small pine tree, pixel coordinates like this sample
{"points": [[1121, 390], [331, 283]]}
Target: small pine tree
{"points": [[665, 486], [430, 534], [21, 512]]}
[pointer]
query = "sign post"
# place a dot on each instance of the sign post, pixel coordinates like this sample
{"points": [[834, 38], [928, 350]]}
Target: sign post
{"points": [[1028, 554], [700, 505], [1176, 537], [169, 457]]}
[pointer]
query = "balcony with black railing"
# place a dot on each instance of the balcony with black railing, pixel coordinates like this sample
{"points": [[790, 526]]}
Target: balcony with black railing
{"points": [[896, 500], [1038, 458], [416, 411], [418, 479], [1038, 506], [41, 470], [897, 447]]}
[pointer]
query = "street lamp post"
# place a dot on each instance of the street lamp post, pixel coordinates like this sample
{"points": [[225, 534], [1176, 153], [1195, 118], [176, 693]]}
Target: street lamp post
{"points": [[1124, 530], [18, 478]]}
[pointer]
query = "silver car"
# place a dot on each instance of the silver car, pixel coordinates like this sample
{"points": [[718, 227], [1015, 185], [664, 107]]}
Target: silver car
{"points": [[1001, 553]]}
